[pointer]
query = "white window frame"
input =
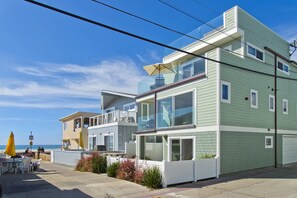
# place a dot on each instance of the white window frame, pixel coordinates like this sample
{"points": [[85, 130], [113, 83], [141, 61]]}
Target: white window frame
{"points": [[251, 98], [128, 105], [113, 139], [282, 70], [228, 84], [285, 101], [148, 113], [271, 96], [191, 62], [268, 146], [256, 48], [180, 138]]}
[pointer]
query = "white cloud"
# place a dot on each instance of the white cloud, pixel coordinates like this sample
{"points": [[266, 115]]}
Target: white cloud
{"points": [[71, 82]]}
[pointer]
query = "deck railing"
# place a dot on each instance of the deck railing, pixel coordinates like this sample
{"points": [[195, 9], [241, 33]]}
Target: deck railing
{"points": [[112, 117]]}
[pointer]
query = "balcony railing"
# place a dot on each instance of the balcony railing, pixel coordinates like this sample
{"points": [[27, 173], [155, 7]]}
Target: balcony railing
{"points": [[199, 33], [112, 117]]}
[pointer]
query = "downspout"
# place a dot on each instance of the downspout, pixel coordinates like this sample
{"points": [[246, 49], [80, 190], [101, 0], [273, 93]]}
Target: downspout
{"points": [[218, 151]]}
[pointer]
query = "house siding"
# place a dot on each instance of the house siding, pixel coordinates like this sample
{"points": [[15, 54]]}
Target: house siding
{"points": [[125, 135], [246, 150]]}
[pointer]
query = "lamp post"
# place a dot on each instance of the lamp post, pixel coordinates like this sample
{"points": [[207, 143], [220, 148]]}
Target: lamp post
{"points": [[31, 137]]}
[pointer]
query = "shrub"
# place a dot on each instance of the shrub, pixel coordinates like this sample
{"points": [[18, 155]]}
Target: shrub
{"points": [[99, 163], [112, 169], [152, 177], [138, 176], [207, 155], [94, 163], [126, 170]]}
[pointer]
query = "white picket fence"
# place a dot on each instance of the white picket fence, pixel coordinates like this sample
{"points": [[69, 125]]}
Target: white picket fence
{"points": [[178, 171]]}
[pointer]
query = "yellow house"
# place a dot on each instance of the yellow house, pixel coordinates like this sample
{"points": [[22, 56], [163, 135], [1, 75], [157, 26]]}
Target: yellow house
{"points": [[75, 130]]}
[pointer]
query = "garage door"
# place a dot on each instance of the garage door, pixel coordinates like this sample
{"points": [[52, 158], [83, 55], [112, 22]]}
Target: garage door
{"points": [[289, 149]]}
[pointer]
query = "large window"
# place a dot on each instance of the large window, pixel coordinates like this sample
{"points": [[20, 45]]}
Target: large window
{"points": [[254, 98], [181, 149], [175, 111], [226, 92], [77, 123], [255, 52], [193, 67]]}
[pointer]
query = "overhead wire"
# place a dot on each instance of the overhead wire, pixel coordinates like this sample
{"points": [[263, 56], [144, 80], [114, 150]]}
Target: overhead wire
{"points": [[148, 40], [205, 23]]}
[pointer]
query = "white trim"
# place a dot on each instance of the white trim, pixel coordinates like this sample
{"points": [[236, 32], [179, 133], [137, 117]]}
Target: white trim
{"points": [[236, 16], [287, 106], [119, 94], [268, 146], [104, 125], [180, 138], [242, 45], [255, 130], [251, 98], [218, 139], [256, 48], [224, 20], [195, 46], [145, 98], [271, 96], [228, 84], [284, 64]]}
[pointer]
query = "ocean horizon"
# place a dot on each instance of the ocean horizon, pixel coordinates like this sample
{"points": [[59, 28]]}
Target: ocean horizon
{"points": [[47, 147]]}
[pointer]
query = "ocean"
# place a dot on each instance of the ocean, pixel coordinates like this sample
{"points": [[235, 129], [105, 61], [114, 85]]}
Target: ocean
{"points": [[22, 148]]}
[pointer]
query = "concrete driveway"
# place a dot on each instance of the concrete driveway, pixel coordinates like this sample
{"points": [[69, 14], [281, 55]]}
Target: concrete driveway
{"points": [[59, 181]]}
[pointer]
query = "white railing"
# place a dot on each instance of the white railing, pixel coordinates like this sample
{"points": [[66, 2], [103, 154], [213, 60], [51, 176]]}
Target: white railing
{"points": [[114, 116], [178, 171]]}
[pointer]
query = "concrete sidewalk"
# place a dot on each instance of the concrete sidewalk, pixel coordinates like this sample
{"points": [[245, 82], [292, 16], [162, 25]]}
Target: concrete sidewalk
{"points": [[60, 181]]}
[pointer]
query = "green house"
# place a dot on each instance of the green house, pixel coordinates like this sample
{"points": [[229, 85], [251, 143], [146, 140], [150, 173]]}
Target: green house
{"points": [[206, 109]]}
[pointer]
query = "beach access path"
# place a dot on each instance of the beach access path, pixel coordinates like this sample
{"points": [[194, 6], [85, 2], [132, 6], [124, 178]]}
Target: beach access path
{"points": [[60, 181]]}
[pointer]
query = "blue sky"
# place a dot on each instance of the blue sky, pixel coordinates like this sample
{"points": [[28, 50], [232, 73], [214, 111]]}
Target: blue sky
{"points": [[53, 65]]}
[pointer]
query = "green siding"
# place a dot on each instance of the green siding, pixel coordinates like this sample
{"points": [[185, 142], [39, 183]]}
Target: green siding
{"points": [[260, 35], [244, 151], [205, 141], [239, 112]]}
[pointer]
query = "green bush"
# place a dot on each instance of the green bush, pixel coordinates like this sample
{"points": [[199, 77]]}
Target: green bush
{"points": [[99, 164], [152, 178], [112, 169], [208, 155]]}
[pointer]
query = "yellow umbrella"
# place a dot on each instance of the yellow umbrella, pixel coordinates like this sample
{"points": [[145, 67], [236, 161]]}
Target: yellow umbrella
{"points": [[158, 68], [81, 142], [10, 147]]}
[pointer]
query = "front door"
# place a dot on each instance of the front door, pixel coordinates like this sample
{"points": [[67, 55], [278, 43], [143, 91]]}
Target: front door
{"points": [[108, 142]]}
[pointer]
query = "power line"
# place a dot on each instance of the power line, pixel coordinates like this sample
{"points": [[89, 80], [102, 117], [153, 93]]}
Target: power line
{"points": [[205, 23], [170, 29], [146, 39]]}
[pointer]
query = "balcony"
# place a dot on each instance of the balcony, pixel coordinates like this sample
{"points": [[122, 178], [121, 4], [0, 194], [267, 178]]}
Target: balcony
{"points": [[201, 32], [113, 117]]}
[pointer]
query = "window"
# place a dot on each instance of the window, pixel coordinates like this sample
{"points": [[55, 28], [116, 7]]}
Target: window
{"points": [[285, 106], [255, 52], [271, 103], [129, 107], [77, 123], [193, 67], [254, 98], [92, 143], [181, 149], [145, 111], [153, 139], [268, 142], [108, 142], [226, 92], [86, 122], [111, 109], [175, 111], [65, 125], [283, 67]]}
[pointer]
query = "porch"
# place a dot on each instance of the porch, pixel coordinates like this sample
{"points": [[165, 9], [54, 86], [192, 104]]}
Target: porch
{"points": [[112, 117]]}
